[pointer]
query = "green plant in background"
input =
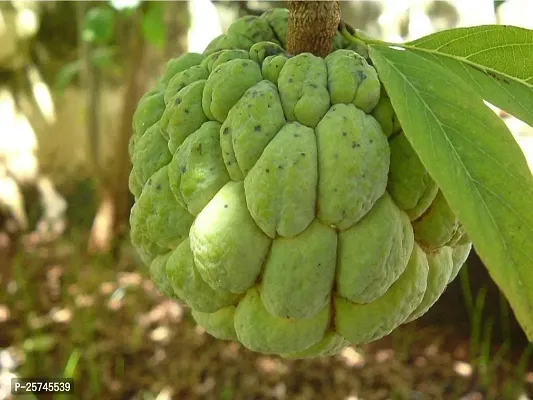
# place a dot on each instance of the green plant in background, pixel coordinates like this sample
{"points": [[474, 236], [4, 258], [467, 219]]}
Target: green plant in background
{"points": [[300, 203], [98, 27]]}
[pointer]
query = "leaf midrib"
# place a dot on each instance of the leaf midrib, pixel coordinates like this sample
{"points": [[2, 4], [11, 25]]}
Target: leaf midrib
{"points": [[466, 61]]}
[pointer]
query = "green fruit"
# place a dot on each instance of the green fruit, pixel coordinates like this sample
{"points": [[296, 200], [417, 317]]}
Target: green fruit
{"points": [[148, 112], [156, 215], [352, 80], [438, 226], [281, 186], [197, 171], [183, 79], [229, 254], [152, 153], [386, 116], [363, 323], [253, 28], [158, 274], [409, 184], [188, 285], [222, 56], [302, 85], [460, 252], [278, 19], [298, 274], [277, 197], [262, 50], [347, 136], [183, 115], [440, 268], [374, 252], [332, 344], [218, 324], [272, 66], [226, 85], [259, 330], [179, 64]]}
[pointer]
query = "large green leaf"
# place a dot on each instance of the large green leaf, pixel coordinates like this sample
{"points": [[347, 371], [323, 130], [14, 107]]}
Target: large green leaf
{"points": [[476, 162], [497, 60]]}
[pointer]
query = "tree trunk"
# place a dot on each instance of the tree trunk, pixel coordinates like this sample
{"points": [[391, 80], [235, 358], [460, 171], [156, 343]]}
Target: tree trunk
{"points": [[312, 25], [111, 221]]}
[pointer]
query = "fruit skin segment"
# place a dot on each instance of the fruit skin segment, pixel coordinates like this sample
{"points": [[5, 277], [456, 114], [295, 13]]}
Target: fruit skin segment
{"points": [[363, 323], [277, 197]]}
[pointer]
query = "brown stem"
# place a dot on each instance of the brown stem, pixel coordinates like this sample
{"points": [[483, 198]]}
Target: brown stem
{"points": [[312, 25]]}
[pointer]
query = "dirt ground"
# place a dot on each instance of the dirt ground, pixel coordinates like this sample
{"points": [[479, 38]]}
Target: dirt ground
{"points": [[106, 325]]}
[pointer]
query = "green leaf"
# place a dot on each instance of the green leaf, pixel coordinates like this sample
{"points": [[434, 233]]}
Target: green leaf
{"points": [[475, 160], [154, 28], [99, 25], [67, 74], [496, 60]]}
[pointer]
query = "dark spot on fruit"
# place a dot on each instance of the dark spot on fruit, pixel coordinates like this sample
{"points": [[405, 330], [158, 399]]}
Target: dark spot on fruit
{"points": [[296, 135], [344, 133], [149, 183], [371, 141], [225, 131], [178, 100], [335, 190], [271, 51], [245, 64], [302, 154], [200, 148], [291, 80], [267, 170], [319, 264], [336, 156], [257, 128], [186, 111], [158, 186], [313, 85], [361, 75], [280, 166], [229, 163], [225, 206], [183, 170], [354, 145]]}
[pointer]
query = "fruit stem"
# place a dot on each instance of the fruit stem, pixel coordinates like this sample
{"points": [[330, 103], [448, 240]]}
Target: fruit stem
{"points": [[312, 25], [357, 36]]}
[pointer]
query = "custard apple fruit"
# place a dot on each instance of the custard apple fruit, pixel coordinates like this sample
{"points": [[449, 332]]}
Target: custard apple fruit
{"points": [[277, 196]]}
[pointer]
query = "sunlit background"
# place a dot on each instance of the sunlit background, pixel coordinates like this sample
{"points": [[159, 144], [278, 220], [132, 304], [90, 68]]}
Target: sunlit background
{"points": [[75, 299]]}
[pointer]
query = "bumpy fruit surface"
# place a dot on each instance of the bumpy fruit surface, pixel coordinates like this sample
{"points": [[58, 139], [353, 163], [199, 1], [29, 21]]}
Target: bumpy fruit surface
{"points": [[277, 196]]}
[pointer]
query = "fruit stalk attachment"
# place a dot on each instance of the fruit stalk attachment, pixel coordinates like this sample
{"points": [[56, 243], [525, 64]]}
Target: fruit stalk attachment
{"points": [[312, 25]]}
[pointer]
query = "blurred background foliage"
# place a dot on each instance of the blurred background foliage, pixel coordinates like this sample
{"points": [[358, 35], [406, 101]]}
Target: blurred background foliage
{"points": [[74, 298]]}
